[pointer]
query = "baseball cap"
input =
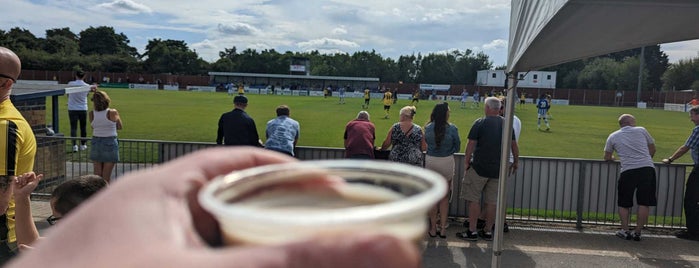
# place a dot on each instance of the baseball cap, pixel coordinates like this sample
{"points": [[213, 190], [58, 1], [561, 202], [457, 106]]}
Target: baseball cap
{"points": [[240, 99]]}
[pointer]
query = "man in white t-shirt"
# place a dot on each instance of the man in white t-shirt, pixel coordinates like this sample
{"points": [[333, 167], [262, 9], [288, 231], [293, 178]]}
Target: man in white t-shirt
{"points": [[635, 148], [77, 110]]}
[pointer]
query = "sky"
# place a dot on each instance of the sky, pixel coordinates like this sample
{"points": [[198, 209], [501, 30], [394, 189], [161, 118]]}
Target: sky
{"points": [[391, 28]]}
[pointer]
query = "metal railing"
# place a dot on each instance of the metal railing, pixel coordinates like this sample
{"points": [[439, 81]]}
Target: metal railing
{"points": [[574, 191]]}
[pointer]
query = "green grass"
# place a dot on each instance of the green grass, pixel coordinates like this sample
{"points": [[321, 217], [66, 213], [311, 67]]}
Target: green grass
{"points": [[576, 131]]}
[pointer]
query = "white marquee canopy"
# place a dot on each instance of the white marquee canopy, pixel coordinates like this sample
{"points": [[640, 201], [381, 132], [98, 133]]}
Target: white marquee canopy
{"points": [[550, 32]]}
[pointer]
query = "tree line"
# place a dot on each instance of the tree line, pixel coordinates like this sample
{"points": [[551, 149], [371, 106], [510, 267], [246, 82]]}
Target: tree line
{"points": [[103, 49]]}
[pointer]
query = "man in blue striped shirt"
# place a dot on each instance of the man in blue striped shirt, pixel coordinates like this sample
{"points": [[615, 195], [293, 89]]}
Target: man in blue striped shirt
{"points": [[691, 194], [543, 107]]}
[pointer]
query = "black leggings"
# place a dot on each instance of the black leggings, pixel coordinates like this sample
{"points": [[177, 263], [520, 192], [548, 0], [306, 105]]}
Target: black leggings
{"points": [[75, 118]]}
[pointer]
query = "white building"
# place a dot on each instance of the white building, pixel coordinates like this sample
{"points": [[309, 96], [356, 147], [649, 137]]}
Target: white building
{"points": [[533, 79]]}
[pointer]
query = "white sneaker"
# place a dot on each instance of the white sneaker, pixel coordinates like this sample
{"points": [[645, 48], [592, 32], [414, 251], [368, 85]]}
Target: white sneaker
{"points": [[83, 147], [75, 148]]}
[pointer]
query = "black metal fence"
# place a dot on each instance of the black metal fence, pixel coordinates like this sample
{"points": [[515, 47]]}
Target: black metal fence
{"points": [[577, 191]]}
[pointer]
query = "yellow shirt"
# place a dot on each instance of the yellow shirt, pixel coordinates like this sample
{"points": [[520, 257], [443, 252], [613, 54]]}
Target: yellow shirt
{"points": [[17, 136], [387, 100], [366, 94]]}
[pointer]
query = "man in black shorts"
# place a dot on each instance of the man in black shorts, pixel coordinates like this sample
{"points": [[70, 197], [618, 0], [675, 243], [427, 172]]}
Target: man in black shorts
{"points": [[635, 148]]}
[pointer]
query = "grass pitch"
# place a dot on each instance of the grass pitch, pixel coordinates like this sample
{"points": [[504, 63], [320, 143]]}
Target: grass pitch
{"points": [[576, 131]]}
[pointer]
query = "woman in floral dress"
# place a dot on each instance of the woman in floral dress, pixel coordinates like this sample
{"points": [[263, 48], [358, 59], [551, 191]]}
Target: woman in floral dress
{"points": [[406, 139]]}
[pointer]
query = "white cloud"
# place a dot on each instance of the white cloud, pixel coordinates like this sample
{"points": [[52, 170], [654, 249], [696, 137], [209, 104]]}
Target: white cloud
{"points": [[327, 44], [391, 28], [259, 46], [236, 29], [681, 50], [495, 44], [125, 6], [439, 15], [339, 31], [206, 44]]}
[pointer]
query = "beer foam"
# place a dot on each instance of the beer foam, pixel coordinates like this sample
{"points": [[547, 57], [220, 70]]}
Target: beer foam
{"points": [[336, 196]]}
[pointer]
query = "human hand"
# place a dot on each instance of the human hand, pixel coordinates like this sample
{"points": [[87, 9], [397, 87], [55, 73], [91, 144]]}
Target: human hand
{"points": [[667, 161], [25, 184], [513, 168], [152, 218]]}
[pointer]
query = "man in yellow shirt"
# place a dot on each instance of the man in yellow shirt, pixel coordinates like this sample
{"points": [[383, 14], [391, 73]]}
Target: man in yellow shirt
{"points": [[367, 97], [18, 147], [416, 98], [387, 101]]}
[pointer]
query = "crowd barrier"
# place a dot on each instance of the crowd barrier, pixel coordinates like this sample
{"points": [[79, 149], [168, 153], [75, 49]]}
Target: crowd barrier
{"points": [[581, 192]]}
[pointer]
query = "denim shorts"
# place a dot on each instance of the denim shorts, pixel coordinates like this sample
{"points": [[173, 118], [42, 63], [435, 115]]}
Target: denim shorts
{"points": [[104, 149]]}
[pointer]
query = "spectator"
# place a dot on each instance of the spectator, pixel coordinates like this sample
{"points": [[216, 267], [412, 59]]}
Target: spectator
{"points": [[70, 194], [635, 148], [105, 122], [443, 141], [360, 134], [406, 139], [157, 208], [517, 128], [64, 199], [15, 133], [77, 110], [237, 127], [482, 165], [691, 194], [282, 132]]}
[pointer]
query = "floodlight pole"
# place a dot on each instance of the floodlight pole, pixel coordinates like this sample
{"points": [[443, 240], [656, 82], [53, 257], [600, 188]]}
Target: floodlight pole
{"points": [[640, 75], [504, 172]]}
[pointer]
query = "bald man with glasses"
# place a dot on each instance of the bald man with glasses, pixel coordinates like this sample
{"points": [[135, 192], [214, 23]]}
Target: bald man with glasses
{"points": [[17, 149]]}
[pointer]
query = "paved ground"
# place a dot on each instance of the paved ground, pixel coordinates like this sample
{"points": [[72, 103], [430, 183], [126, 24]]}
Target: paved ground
{"points": [[536, 247]]}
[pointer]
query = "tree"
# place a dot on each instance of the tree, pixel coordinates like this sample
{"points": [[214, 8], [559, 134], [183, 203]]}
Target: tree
{"points": [[655, 64], [408, 68], [59, 44], [64, 32], [104, 40], [19, 39], [170, 56], [681, 75]]}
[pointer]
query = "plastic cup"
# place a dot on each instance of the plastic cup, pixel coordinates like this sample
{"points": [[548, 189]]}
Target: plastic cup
{"points": [[274, 204]]}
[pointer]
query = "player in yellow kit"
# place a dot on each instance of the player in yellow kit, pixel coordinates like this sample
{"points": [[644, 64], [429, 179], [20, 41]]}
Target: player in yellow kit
{"points": [[387, 101]]}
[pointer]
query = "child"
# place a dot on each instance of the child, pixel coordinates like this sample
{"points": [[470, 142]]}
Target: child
{"points": [[64, 199]]}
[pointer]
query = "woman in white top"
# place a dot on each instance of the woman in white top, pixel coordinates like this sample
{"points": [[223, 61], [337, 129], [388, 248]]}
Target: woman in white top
{"points": [[105, 122]]}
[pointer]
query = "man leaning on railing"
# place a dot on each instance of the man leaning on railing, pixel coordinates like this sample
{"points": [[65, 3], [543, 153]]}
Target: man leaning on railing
{"points": [[691, 194]]}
